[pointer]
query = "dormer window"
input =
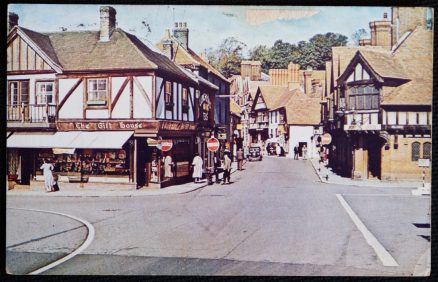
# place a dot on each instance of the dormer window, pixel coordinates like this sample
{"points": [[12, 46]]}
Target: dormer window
{"points": [[97, 91]]}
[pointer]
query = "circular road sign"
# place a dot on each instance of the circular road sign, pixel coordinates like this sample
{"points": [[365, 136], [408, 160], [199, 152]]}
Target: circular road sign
{"points": [[212, 144], [326, 139], [166, 145]]}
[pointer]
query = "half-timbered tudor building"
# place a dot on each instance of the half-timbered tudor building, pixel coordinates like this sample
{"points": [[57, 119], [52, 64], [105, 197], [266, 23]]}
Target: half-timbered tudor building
{"points": [[176, 47], [381, 100], [98, 103]]}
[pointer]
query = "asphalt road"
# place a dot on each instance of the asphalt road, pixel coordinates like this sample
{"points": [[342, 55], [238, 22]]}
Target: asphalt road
{"points": [[276, 218]]}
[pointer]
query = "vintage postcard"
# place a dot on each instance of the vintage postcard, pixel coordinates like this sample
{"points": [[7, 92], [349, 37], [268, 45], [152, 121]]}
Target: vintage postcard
{"points": [[218, 140]]}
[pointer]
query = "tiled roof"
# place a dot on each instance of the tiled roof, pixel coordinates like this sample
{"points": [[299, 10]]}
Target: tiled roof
{"points": [[82, 51], [384, 64], [254, 85], [302, 110], [273, 95], [418, 92], [188, 57], [235, 108]]}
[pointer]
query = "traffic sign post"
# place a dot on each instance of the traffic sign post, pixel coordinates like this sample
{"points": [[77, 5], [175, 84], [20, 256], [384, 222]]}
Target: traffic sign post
{"points": [[213, 144]]}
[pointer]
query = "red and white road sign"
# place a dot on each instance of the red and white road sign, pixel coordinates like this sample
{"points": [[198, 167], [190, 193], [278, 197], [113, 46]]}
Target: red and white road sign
{"points": [[166, 145], [212, 144]]}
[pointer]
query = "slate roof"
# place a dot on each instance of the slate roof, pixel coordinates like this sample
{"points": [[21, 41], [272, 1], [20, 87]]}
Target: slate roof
{"points": [[82, 51]]}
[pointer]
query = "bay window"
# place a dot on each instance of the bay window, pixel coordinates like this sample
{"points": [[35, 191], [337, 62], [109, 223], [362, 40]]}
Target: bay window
{"points": [[363, 97]]}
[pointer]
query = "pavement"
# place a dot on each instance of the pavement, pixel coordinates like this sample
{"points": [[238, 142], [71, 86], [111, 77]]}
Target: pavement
{"points": [[100, 190], [326, 175]]}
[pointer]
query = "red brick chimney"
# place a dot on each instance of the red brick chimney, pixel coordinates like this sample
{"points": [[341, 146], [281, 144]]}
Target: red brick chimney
{"points": [[107, 22]]}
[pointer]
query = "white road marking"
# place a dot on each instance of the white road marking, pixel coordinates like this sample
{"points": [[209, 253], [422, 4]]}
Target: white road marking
{"points": [[384, 256], [84, 245]]}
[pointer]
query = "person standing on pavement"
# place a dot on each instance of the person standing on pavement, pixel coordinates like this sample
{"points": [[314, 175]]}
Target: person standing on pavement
{"points": [[168, 166], [239, 159], [304, 152], [49, 181], [197, 168], [227, 169], [278, 150], [295, 153]]}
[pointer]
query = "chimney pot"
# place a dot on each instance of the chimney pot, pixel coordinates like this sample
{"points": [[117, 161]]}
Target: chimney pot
{"points": [[12, 21], [182, 34], [176, 24], [385, 15]]}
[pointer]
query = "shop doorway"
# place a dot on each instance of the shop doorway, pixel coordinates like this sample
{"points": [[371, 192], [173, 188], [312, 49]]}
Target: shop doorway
{"points": [[300, 148], [141, 165], [26, 166], [374, 160]]}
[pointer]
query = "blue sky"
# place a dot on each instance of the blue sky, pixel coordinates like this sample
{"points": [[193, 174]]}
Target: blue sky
{"points": [[208, 25]]}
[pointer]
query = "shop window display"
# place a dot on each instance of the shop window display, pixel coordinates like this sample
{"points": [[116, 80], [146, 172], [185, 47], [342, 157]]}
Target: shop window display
{"points": [[88, 162]]}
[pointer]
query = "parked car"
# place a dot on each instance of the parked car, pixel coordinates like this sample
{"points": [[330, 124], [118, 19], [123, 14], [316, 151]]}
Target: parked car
{"points": [[255, 153]]}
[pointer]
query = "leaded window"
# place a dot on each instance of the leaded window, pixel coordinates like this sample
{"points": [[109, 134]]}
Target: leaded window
{"points": [[363, 97], [427, 150], [415, 151]]}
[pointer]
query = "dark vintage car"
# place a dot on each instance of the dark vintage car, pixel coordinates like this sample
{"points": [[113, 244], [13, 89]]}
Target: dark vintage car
{"points": [[254, 154]]}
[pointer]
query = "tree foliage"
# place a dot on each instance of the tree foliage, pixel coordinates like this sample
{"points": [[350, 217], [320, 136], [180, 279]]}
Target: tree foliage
{"points": [[359, 34], [227, 57], [308, 54]]}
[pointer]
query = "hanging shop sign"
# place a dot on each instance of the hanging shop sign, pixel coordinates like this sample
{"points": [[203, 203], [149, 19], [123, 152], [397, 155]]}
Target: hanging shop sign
{"points": [[222, 136], [166, 145], [326, 139], [152, 142], [204, 106], [213, 144]]}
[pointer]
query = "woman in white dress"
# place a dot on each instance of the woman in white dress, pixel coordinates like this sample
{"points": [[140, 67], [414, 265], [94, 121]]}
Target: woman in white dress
{"points": [[168, 165], [197, 168], [47, 168]]}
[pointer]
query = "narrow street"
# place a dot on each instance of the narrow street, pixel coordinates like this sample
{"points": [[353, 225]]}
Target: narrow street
{"points": [[276, 218]]}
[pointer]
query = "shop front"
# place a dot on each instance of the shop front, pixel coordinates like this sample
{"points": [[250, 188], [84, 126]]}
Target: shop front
{"points": [[119, 152]]}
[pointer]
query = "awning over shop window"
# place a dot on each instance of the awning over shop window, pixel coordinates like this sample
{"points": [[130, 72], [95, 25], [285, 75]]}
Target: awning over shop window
{"points": [[92, 139], [71, 140], [30, 140]]}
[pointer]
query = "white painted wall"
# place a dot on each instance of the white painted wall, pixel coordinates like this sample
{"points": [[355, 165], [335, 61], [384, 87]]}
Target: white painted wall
{"points": [[302, 133], [122, 107], [141, 106], [159, 111], [74, 104], [97, 114]]}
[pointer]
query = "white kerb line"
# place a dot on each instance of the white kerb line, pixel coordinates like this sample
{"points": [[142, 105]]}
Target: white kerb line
{"points": [[384, 256], [84, 245]]}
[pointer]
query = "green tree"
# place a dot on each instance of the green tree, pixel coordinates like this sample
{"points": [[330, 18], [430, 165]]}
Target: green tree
{"points": [[359, 34], [227, 57], [263, 54]]}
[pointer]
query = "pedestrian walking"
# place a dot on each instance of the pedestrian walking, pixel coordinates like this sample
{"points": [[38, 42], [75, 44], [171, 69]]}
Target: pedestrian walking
{"points": [[197, 168], [49, 181], [296, 153], [239, 159], [304, 152], [168, 167], [227, 169], [217, 168]]}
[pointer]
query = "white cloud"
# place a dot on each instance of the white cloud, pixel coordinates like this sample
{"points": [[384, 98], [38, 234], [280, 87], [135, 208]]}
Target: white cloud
{"points": [[261, 16]]}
